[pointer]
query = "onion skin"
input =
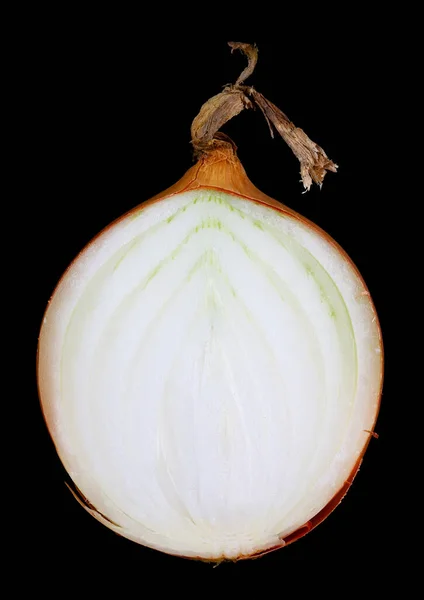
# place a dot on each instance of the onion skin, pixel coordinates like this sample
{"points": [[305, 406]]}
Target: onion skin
{"points": [[220, 169], [324, 512]]}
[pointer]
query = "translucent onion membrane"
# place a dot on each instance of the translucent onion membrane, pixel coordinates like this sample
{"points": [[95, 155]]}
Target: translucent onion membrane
{"points": [[210, 370]]}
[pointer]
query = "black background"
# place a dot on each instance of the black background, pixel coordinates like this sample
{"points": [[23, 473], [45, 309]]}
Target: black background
{"points": [[108, 126]]}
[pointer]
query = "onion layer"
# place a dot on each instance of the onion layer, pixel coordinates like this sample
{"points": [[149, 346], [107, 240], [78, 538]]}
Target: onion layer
{"points": [[210, 369]]}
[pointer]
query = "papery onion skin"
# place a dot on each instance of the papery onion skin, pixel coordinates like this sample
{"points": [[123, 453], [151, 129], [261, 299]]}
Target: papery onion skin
{"points": [[220, 170]]}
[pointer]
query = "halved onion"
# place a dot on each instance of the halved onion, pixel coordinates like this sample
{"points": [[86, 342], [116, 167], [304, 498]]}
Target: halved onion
{"points": [[210, 369]]}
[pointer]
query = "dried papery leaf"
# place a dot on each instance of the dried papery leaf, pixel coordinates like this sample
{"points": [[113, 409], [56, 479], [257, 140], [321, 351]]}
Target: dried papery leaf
{"points": [[251, 52], [214, 114], [314, 163]]}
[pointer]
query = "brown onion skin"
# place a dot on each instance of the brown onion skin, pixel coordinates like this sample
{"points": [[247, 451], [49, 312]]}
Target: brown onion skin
{"points": [[220, 169]]}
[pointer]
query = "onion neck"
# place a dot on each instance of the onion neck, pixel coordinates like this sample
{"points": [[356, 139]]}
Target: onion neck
{"points": [[219, 168]]}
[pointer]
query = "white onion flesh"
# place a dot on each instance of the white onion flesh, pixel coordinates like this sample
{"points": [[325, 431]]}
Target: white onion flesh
{"points": [[209, 369]]}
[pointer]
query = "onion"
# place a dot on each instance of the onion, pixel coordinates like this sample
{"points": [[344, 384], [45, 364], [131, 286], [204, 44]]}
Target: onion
{"points": [[210, 366]]}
